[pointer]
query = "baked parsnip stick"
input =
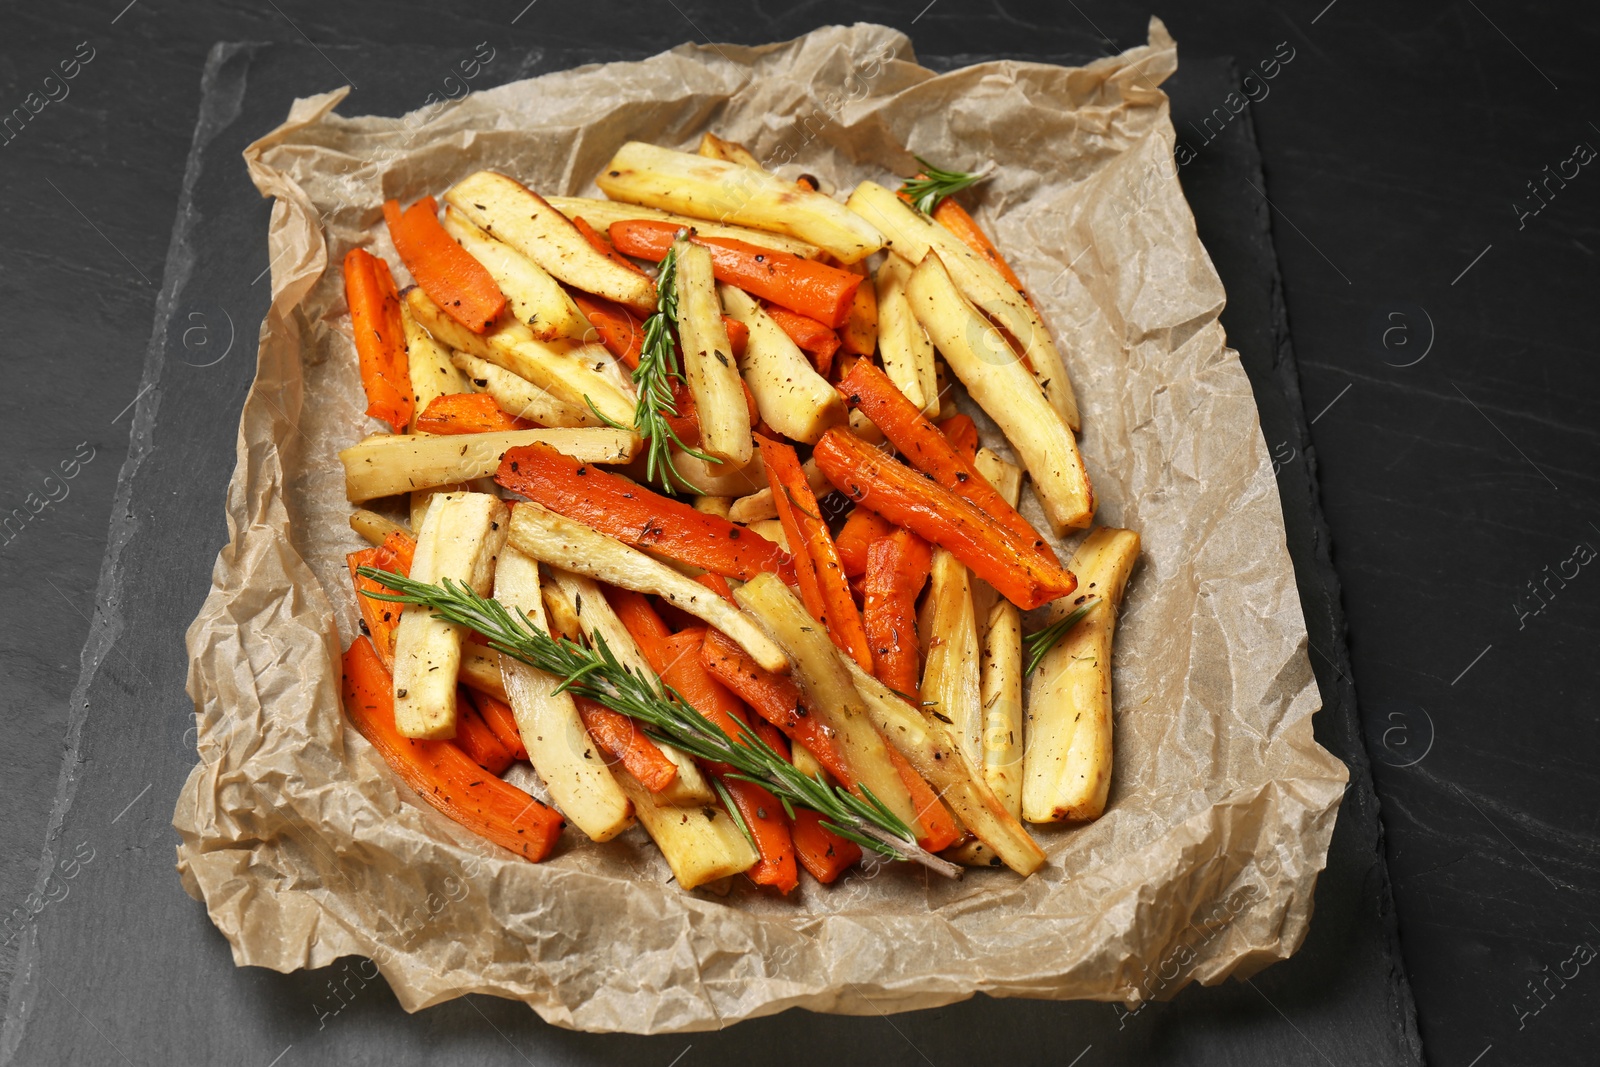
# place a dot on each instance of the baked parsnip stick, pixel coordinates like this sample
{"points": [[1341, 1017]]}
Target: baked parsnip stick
{"points": [[458, 539], [1067, 758]]}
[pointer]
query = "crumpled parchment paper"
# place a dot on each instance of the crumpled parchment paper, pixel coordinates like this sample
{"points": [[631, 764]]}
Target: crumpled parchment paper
{"points": [[305, 848]]}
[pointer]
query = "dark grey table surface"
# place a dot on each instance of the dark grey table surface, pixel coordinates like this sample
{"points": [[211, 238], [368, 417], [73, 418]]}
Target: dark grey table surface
{"points": [[1442, 407]]}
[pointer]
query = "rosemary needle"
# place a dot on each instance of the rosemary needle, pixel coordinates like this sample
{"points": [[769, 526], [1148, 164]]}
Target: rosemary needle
{"points": [[657, 370], [1038, 643], [595, 673], [935, 183]]}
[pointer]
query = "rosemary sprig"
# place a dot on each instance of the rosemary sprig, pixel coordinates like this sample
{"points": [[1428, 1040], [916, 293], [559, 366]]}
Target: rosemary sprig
{"points": [[657, 370], [1042, 641], [935, 183], [595, 673]]}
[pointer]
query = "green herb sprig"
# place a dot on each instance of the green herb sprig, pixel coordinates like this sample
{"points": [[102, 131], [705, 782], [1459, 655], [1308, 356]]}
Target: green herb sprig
{"points": [[935, 183], [595, 673], [1040, 642], [653, 377]]}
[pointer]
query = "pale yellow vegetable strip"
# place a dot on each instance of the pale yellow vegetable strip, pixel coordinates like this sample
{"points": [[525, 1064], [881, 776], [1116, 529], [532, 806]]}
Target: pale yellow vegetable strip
{"points": [[373, 527], [572, 546], [536, 299], [700, 845], [903, 345], [708, 365], [1067, 757], [385, 464], [927, 746], [520, 397], [571, 372], [602, 213], [1002, 386], [523, 219], [432, 373], [459, 539], [829, 694], [704, 188], [912, 234], [792, 397], [586, 603], [560, 749]]}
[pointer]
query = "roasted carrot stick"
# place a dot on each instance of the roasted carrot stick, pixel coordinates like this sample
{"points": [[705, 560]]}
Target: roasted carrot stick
{"points": [[497, 714], [953, 217], [381, 617], [404, 546], [622, 331], [447, 272], [813, 289], [863, 527], [769, 827], [859, 335], [602, 244], [624, 740], [938, 826], [812, 336], [803, 526], [931, 452], [717, 584], [773, 697], [676, 660], [478, 741], [456, 413], [909, 499], [682, 669], [897, 569], [440, 772], [637, 516], [962, 433], [618, 328], [824, 854], [380, 338]]}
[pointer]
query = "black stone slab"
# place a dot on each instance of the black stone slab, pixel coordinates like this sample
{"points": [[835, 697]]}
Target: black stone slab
{"points": [[125, 938]]}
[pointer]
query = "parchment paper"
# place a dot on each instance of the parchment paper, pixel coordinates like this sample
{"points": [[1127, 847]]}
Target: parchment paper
{"points": [[304, 846]]}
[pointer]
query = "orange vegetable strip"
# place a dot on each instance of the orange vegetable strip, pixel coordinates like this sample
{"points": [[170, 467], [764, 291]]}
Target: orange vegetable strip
{"points": [[811, 335], [863, 527], [602, 244], [404, 546], [637, 516], [441, 773], [909, 499], [792, 494], [380, 338], [676, 660], [738, 337], [447, 272], [813, 289], [618, 328], [938, 826], [769, 827], [625, 740], [962, 433], [824, 854], [379, 618], [928, 450], [953, 217], [859, 335], [897, 569], [773, 697], [497, 714], [717, 584], [457, 413], [477, 740], [640, 618]]}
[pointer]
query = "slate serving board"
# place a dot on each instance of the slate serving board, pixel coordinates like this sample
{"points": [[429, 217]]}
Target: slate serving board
{"points": [[127, 936]]}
